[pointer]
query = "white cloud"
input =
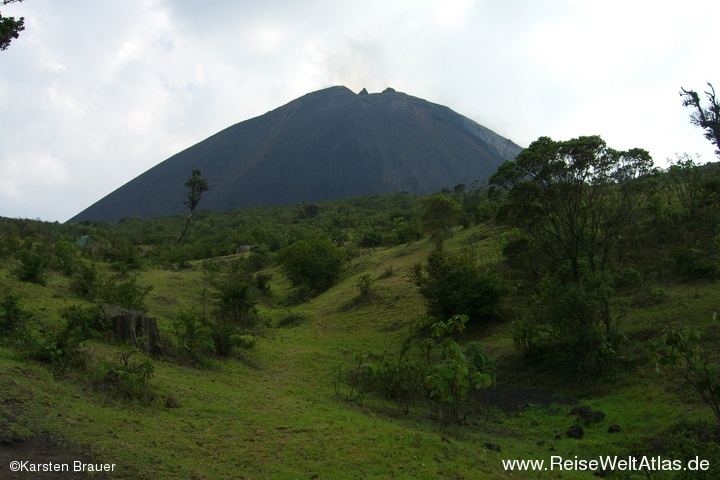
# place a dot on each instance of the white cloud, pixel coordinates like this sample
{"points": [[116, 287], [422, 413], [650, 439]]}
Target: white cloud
{"points": [[95, 93]]}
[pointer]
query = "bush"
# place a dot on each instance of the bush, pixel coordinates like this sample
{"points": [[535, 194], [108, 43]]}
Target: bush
{"points": [[131, 378], [452, 284], [312, 266], [31, 266], [92, 285], [194, 339], [12, 316], [402, 380], [65, 257], [60, 346]]}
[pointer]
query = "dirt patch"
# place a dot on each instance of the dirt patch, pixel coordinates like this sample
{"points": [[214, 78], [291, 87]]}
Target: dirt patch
{"points": [[514, 399], [39, 455]]}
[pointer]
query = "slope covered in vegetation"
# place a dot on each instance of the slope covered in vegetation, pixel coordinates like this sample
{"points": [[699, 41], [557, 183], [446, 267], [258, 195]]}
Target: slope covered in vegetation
{"points": [[349, 368]]}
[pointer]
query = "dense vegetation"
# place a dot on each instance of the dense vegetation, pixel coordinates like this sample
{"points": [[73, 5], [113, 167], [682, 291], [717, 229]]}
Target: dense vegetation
{"points": [[340, 337]]}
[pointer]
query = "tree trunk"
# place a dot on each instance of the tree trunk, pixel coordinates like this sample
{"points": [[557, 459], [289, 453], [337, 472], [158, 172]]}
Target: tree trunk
{"points": [[136, 328]]}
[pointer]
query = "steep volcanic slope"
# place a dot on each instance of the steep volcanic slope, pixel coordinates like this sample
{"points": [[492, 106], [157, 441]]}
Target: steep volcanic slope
{"points": [[327, 144]]}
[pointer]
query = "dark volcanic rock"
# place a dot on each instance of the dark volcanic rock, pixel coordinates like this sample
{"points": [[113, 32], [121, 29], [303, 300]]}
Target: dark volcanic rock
{"points": [[587, 414], [576, 431], [327, 144]]}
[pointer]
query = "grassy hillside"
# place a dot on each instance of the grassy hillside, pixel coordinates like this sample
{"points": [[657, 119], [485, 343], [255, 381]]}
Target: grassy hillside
{"points": [[273, 411]]}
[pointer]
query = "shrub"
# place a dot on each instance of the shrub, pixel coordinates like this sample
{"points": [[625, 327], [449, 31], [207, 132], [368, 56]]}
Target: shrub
{"points": [[31, 265], [91, 284], [457, 372], [60, 346], [452, 284], [130, 378], [194, 338], [680, 350], [312, 266], [402, 380], [364, 283], [65, 257], [12, 316]]}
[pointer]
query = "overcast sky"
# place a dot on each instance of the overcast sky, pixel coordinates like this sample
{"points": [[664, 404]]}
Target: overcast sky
{"points": [[94, 93]]}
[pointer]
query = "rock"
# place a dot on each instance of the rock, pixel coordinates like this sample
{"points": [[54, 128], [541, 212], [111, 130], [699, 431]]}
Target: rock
{"points": [[11, 441], [576, 431], [587, 414], [493, 446], [613, 428], [107, 384]]}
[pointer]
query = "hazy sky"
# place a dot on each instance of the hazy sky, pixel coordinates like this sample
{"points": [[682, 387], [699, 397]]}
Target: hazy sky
{"points": [[94, 93]]}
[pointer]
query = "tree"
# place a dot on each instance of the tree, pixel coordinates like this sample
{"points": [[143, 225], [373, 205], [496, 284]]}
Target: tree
{"points": [[9, 27], [196, 186], [706, 118], [574, 198], [439, 215], [576, 201]]}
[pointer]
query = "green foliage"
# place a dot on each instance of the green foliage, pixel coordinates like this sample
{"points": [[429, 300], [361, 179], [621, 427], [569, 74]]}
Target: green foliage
{"points": [[679, 350], [364, 284], [401, 379], [439, 214], [685, 442], [32, 263], [65, 257], [442, 371], [528, 336], [132, 377], [232, 322], [574, 203], [10, 28], [457, 372], [91, 284], [12, 315], [124, 256], [60, 345], [574, 199], [194, 338], [451, 283], [312, 266]]}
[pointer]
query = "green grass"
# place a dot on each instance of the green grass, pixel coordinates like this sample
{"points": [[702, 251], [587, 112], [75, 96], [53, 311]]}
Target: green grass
{"points": [[274, 412]]}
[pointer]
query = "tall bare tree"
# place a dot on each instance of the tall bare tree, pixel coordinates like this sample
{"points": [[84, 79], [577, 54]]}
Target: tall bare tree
{"points": [[196, 186], [706, 118]]}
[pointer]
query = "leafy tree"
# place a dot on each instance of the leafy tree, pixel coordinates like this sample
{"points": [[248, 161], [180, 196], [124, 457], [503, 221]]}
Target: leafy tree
{"points": [[574, 199], [439, 214], [576, 202], [196, 186], [312, 266], [706, 118], [9, 27]]}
